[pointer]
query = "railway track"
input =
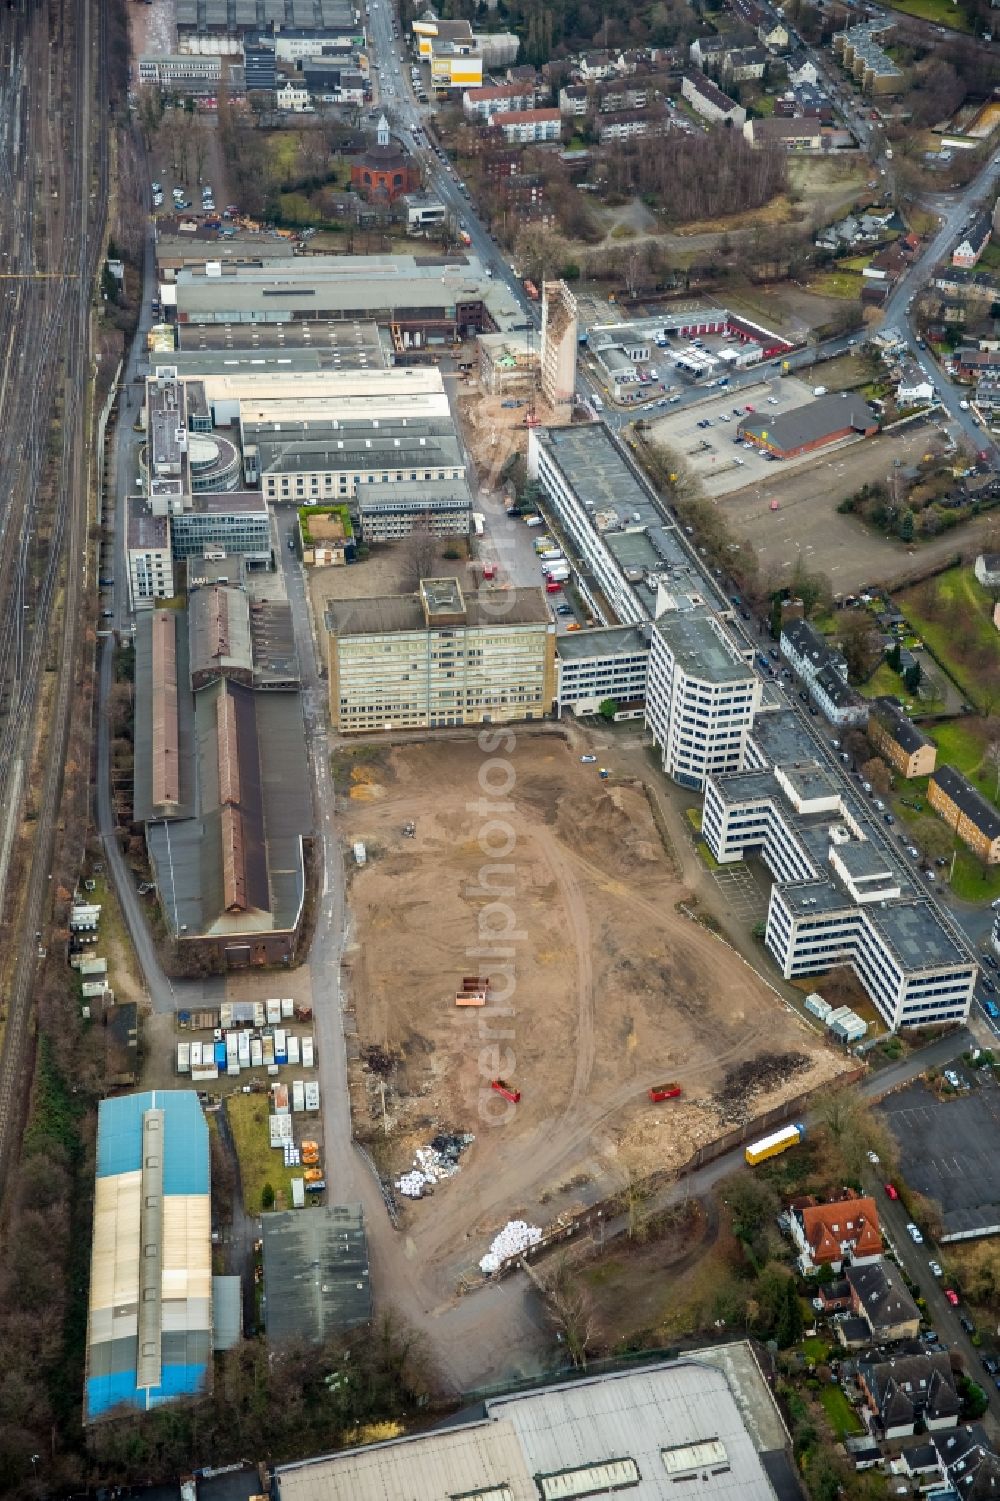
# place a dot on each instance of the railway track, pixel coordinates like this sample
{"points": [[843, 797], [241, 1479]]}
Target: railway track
{"points": [[54, 161]]}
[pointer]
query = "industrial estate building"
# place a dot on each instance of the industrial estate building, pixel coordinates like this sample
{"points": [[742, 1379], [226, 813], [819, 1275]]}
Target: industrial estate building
{"points": [[316, 1277], [220, 776], [645, 1432], [593, 666], [840, 894], [440, 658], [149, 1320]]}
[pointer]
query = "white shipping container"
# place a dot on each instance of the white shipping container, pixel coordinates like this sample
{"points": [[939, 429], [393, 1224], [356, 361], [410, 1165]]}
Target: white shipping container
{"points": [[298, 1095], [183, 1057], [273, 1013], [312, 1095], [280, 1129], [293, 1047], [91, 989], [203, 1074], [298, 1193], [287, 1008], [259, 1013], [256, 1053], [244, 1050], [226, 1015], [268, 1046], [232, 1052], [196, 1059], [307, 1052]]}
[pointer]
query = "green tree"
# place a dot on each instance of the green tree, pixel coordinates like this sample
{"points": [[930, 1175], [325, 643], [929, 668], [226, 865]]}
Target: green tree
{"points": [[267, 1197], [788, 1325], [912, 676], [906, 526], [893, 657], [752, 1204], [608, 709]]}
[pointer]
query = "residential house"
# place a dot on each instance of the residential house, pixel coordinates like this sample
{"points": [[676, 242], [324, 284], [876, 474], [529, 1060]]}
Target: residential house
{"points": [[914, 388], [794, 135], [879, 1296], [843, 1231], [823, 671], [483, 104], [973, 364], [837, 700], [595, 66], [710, 102], [293, 97], [802, 69], [743, 64], [528, 127], [898, 740], [835, 1296], [988, 397], [773, 33], [968, 252], [706, 52], [910, 1389], [630, 125], [959, 1462], [616, 98], [987, 569], [574, 101], [974, 819]]}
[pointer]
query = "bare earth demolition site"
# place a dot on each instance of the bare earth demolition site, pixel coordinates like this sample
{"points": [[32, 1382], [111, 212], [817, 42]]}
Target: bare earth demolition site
{"points": [[531, 870]]}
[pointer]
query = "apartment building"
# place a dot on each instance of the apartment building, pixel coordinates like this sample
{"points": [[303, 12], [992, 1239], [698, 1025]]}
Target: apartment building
{"points": [[840, 896], [631, 125], [974, 819], [528, 127], [823, 672], [482, 104], [440, 658], [708, 100], [899, 741], [560, 342], [969, 250], [593, 666], [701, 697]]}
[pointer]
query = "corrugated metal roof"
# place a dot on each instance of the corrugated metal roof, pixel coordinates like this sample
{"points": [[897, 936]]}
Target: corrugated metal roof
{"points": [[316, 1278], [119, 1138], [227, 1312]]}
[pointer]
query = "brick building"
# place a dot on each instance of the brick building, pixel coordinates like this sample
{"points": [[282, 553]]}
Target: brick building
{"points": [[974, 819]]}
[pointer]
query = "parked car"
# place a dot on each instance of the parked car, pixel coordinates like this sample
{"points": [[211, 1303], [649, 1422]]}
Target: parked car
{"points": [[952, 1296], [915, 1235], [935, 1268], [892, 1192]]}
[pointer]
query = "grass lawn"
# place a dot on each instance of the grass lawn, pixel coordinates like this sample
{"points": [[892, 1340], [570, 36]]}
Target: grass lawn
{"points": [[707, 856], [990, 258], [941, 12], [845, 284], [854, 263], [843, 1419], [972, 880], [817, 1350], [953, 614], [693, 816], [260, 1163], [884, 682]]}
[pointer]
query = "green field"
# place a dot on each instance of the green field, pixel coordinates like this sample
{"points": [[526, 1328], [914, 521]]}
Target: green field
{"points": [[972, 880], [953, 614], [260, 1163], [843, 1419], [845, 284], [941, 12]]}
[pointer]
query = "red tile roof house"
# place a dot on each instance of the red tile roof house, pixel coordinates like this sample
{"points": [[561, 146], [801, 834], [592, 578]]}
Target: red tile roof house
{"points": [[844, 1232]]}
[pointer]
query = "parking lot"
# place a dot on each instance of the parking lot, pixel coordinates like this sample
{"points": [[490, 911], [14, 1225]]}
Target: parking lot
{"points": [[704, 435], [947, 1148], [741, 892]]}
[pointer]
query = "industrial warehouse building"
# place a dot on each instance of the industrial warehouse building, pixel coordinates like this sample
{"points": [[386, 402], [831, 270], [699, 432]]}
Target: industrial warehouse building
{"points": [[316, 1278], [841, 895], [440, 658], [650, 1432], [149, 1322], [220, 774], [825, 420]]}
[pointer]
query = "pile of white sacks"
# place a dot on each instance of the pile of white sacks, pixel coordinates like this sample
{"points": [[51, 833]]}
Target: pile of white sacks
{"points": [[515, 1237]]}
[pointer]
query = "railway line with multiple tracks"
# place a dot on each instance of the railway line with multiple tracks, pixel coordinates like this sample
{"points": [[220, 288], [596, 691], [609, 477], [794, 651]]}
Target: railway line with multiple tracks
{"points": [[54, 177]]}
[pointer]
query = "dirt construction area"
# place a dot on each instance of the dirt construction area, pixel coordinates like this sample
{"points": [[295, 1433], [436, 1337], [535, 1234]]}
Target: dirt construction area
{"points": [[524, 866], [807, 525]]}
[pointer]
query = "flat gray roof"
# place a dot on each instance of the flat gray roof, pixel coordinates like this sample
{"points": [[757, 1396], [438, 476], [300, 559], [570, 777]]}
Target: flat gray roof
{"points": [[619, 641], [438, 494], [337, 343], [700, 648], [394, 614], [316, 1279], [643, 1431], [145, 529], [915, 932], [300, 455]]}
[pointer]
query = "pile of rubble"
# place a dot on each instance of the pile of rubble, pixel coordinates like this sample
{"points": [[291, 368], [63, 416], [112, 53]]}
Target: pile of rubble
{"points": [[515, 1238], [432, 1163]]}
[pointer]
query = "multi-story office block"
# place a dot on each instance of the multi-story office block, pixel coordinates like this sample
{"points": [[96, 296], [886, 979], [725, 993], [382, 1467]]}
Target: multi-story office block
{"points": [[701, 697], [439, 658]]}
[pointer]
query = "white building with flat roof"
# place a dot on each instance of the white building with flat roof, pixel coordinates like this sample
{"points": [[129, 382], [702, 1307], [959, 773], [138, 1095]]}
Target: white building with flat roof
{"points": [[701, 697], [840, 894]]}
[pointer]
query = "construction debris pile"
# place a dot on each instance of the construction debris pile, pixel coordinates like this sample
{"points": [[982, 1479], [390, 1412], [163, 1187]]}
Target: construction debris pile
{"points": [[748, 1081], [434, 1162], [515, 1237]]}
